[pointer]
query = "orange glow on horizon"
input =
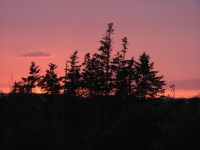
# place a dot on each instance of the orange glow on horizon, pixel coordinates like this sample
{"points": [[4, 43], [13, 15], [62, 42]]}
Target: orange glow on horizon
{"points": [[37, 90], [178, 93], [183, 93]]}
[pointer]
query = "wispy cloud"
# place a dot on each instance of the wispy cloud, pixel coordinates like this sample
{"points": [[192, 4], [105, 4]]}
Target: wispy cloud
{"points": [[36, 54]]}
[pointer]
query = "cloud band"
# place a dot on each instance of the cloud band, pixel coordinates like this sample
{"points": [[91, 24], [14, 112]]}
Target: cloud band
{"points": [[36, 54]]}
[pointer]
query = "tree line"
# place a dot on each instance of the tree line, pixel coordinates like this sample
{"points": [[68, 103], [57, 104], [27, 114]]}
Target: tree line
{"points": [[98, 76]]}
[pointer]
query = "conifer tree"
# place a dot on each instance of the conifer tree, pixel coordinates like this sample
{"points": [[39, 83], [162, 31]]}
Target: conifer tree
{"points": [[88, 75], [30, 82], [130, 71], [93, 76], [73, 76], [50, 83], [104, 59], [124, 44], [17, 87], [126, 71], [122, 72], [148, 85], [99, 77], [116, 71]]}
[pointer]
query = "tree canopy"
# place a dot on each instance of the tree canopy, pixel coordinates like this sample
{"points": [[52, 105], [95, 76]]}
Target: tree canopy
{"points": [[100, 75]]}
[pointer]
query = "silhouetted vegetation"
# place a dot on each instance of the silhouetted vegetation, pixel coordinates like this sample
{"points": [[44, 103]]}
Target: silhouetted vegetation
{"points": [[99, 75], [27, 85], [39, 122], [73, 77], [50, 83], [102, 103]]}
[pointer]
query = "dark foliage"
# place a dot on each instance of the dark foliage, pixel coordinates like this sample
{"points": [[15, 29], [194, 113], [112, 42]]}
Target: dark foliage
{"points": [[99, 76], [38, 122], [100, 104], [50, 83], [148, 85], [90, 78], [27, 85], [72, 82], [104, 61], [123, 73]]}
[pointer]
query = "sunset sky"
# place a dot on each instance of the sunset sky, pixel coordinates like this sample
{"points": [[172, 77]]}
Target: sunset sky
{"points": [[50, 31]]}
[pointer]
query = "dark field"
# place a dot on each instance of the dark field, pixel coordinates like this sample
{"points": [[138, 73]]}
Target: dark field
{"points": [[57, 122]]}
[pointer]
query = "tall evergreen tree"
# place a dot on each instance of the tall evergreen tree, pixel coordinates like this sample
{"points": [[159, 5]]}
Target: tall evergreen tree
{"points": [[17, 87], [126, 71], [93, 76], [50, 83], [104, 58], [73, 76], [30, 82], [124, 44], [123, 72], [148, 85], [118, 74], [130, 71], [99, 77], [88, 75]]}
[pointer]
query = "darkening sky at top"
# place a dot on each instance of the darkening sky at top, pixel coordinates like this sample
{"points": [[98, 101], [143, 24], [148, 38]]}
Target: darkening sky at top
{"points": [[50, 31]]}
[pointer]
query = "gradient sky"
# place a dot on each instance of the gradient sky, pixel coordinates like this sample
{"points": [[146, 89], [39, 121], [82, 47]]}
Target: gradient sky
{"points": [[50, 31]]}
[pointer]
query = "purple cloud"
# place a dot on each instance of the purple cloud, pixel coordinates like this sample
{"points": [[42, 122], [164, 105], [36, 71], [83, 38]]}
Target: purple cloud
{"points": [[36, 54]]}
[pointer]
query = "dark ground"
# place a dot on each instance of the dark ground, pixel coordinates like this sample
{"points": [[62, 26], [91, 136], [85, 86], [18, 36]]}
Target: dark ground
{"points": [[56, 122]]}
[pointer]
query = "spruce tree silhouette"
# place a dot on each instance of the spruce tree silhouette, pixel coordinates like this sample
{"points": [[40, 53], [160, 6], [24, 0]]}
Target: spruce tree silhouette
{"points": [[124, 44], [29, 83], [95, 76], [88, 74], [148, 85], [117, 75], [50, 83], [17, 88], [123, 72], [100, 75], [130, 71], [73, 76], [104, 59]]}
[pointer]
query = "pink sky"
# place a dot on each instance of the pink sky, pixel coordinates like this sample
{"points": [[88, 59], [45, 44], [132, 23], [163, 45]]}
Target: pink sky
{"points": [[49, 32]]}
